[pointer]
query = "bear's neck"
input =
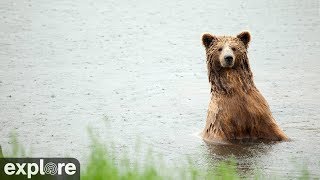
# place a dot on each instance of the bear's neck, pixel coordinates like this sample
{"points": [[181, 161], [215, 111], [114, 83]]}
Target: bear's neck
{"points": [[229, 81]]}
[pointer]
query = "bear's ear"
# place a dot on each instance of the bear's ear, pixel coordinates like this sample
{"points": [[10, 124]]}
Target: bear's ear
{"points": [[207, 39], [245, 38]]}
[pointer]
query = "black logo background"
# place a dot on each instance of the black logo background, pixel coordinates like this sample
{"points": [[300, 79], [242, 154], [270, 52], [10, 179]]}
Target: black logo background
{"points": [[38, 176]]}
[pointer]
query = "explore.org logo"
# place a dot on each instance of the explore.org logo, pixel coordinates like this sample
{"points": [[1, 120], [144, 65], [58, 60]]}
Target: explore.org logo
{"points": [[39, 168]]}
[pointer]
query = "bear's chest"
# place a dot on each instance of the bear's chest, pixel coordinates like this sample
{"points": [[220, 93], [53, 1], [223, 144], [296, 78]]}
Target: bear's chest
{"points": [[240, 107]]}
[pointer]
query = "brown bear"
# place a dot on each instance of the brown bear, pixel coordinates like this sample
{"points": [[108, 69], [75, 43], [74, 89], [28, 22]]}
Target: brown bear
{"points": [[237, 110]]}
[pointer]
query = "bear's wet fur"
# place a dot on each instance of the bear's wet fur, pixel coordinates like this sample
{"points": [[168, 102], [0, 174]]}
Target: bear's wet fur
{"points": [[237, 110]]}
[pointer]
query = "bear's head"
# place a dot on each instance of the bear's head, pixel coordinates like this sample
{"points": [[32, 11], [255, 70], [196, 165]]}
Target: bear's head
{"points": [[226, 51], [227, 62]]}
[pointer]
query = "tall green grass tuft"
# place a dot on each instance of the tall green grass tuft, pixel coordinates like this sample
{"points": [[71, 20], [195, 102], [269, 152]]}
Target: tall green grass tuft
{"points": [[102, 164]]}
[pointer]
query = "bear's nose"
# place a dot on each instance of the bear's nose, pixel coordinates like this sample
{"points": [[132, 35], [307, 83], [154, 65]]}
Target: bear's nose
{"points": [[228, 59]]}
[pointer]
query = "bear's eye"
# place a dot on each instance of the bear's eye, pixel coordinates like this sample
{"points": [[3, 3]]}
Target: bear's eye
{"points": [[220, 49], [233, 48]]}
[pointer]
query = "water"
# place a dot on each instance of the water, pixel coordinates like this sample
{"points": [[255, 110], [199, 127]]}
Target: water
{"points": [[136, 70]]}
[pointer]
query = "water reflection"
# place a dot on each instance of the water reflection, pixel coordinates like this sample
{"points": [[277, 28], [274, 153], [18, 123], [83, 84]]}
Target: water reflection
{"points": [[246, 153]]}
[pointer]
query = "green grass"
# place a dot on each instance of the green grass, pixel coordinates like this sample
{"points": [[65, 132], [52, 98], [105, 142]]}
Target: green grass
{"points": [[103, 164]]}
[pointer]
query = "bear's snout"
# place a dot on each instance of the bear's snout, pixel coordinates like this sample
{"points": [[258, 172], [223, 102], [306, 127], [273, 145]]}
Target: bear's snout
{"points": [[228, 59]]}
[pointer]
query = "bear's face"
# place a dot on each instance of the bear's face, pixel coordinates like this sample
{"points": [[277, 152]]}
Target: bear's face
{"points": [[226, 51]]}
